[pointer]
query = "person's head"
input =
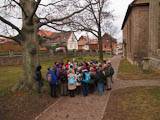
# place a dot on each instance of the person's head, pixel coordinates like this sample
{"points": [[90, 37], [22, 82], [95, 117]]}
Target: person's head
{"points": [[71, 66], [109, 64], [55, 63], [63, 68], [100, 65], [50, 68], [104, 61], [39, 67], [91, 69]]}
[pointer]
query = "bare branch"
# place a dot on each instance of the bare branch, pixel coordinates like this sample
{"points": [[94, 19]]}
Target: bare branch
{"points": [[60, 29], [15, 38], [21, 7], [35, 9], [92, 11], [10, 24], [66, 17], [51, 3]]}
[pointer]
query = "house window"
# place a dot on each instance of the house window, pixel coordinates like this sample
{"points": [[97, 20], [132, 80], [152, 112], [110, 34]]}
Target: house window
{"points": [[70, 46]]}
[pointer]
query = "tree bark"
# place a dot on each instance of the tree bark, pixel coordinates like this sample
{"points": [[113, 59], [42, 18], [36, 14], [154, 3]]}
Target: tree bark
{"points": [[100, 49], [30, 58], [30, 45]]}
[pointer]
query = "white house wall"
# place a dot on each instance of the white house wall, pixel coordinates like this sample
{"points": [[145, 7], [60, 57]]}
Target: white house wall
{"points": [[72, 43]]}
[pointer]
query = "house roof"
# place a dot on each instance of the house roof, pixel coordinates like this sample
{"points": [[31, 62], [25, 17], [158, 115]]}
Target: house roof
{"points": [[106, 36], [61, 37], [55, 37], [45, 33], [131, 5], [83, 40]]}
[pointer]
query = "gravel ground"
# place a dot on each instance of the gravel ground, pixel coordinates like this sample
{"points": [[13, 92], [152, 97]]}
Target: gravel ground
{"points": [[91, 107]]}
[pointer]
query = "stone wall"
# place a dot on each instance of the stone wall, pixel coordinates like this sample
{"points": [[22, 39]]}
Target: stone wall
{"points": [[154, 63], [17, 60], [136, 34]]}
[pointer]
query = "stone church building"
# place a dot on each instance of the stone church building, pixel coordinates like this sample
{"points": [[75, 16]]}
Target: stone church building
{"points": [[141, 33]]}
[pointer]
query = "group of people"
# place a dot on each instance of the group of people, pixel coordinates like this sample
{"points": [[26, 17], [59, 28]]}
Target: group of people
{"points": [[74, 78]]}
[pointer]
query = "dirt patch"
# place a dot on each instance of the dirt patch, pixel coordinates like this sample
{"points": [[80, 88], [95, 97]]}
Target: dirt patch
{"points": [[137, 103], [23, 105]]}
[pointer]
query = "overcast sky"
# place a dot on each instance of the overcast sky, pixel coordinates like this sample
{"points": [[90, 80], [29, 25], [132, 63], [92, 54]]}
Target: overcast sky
{"points": [[120, 8]]}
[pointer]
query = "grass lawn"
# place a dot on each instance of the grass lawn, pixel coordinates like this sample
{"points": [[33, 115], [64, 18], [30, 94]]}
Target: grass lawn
{"points": [[128, 71], [140, 103], [10, 75]]}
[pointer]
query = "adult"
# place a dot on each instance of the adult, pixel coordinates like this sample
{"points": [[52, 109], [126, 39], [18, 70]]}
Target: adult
{"points": [[71, 83], [52, 82], [92, 82], [75, 65], [85, 82], [100, 81], [39, 78], [109, 71], [78, 80], [64, 81]]}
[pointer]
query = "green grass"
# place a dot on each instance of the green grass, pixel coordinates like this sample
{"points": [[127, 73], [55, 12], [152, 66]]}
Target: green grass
{"points": [[10, 75], [128, 71]]}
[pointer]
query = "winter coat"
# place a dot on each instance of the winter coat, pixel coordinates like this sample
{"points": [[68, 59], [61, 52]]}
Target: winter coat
{"points": [[71, 86], [63, 76], [109, 71], [93, 77], [78, 79], [54, 79], [100, 77]]}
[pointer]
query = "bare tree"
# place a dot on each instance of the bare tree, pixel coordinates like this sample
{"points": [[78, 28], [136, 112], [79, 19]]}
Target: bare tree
{"points": [[95, 19], [21, 20]]}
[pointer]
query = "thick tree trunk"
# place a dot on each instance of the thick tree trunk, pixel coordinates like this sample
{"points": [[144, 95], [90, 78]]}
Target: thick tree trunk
{"points": [[100, 49], [30, 58]]}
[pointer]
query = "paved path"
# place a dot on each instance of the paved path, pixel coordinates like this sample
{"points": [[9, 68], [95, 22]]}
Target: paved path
{"points": [[91, 107]]}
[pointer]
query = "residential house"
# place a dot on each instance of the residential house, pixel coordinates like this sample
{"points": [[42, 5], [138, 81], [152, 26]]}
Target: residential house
{"points": [[85, 43], [109, 43], [67, 39], [141, 33]]}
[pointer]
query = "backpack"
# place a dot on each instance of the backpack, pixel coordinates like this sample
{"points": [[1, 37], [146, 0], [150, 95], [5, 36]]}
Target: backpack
{"points": [[88, 77], [71, 80], [112, 71], [108, 71], [49, 77]]}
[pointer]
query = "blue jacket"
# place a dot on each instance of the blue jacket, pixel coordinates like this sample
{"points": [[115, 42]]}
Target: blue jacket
{"points": [[54, 79]]}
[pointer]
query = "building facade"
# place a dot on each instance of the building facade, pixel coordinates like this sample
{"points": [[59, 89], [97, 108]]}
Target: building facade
{"points": [[141, 32]]}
